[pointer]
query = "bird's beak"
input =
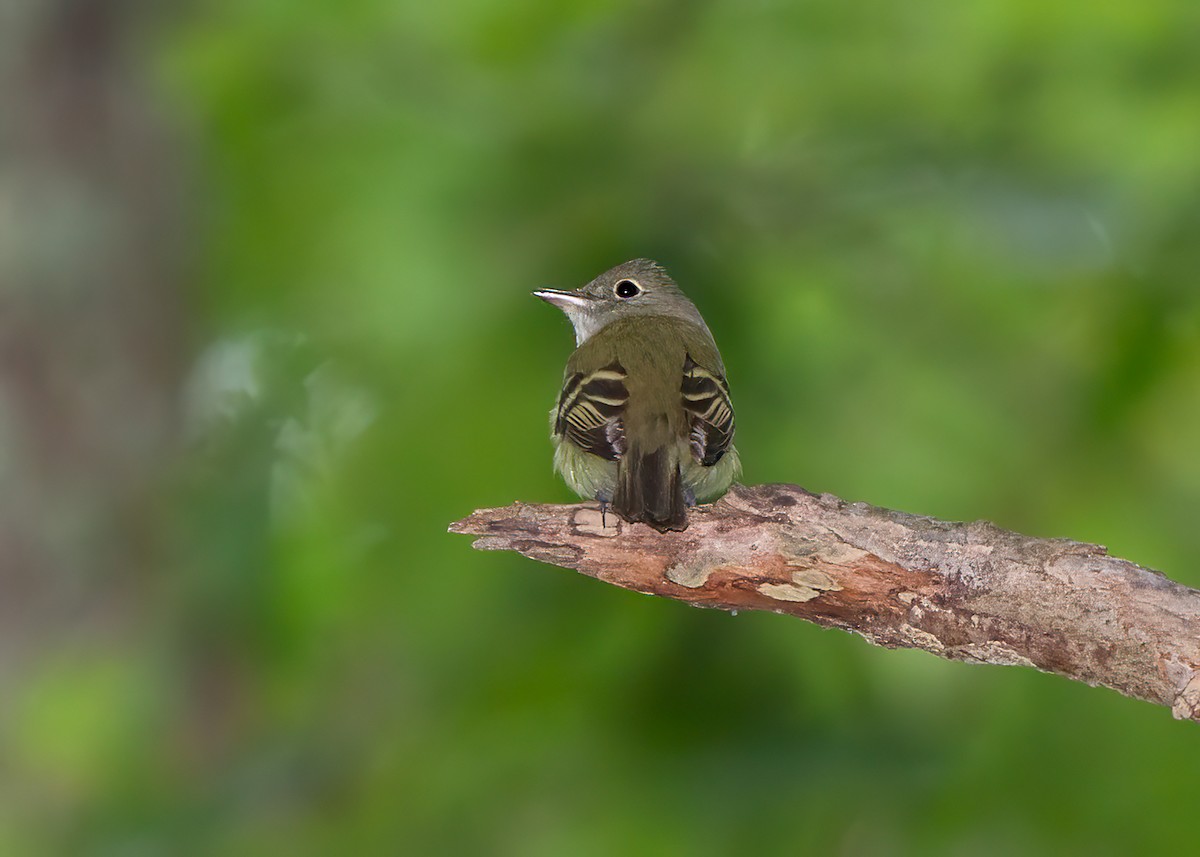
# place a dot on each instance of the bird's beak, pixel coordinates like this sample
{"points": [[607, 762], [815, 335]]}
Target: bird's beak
{"points": [[563, 300]]}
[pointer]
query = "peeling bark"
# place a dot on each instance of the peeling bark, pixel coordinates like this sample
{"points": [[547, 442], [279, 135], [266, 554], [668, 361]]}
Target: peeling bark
{"points": [[970, 592]]}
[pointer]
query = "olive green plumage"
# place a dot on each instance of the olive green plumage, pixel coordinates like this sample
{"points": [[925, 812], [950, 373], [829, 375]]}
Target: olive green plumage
{"points": [[643, 420]]}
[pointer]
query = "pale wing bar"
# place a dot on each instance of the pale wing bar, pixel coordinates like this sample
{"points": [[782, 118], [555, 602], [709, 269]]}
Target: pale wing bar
{"points": [[590, 409], [706, 399]]}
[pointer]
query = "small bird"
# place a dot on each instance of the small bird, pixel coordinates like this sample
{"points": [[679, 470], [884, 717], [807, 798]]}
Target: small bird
{"points": [[644, 420]]}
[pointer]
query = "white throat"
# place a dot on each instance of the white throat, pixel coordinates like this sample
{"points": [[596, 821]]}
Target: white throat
{"points": [[586, 325]]}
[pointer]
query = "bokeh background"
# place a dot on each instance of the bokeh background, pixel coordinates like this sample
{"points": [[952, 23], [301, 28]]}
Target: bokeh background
{"points": [[265, 330]]}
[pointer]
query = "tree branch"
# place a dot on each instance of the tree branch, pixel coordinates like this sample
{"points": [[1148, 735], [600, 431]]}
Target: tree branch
{"points": [[971, 592]]}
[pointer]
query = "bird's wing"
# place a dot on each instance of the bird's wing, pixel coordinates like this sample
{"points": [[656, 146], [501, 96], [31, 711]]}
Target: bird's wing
{"points": [[706, 400], [590, 409]]}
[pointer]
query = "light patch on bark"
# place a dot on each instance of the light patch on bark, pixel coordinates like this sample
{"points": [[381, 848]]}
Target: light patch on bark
{"points": [[788, 591], [690, 576], [917, 639], [841, 553], [591, 522], [814, 579]]}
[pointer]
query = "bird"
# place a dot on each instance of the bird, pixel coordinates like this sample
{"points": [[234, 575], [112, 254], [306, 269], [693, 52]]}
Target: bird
{"points": [[643, 422]]}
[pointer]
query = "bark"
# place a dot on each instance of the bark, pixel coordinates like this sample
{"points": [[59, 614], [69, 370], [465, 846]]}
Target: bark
{"points": [[971, 592]]}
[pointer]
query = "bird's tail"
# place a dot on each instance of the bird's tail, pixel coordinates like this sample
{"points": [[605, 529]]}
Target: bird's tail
{"points": [[650, 488]]}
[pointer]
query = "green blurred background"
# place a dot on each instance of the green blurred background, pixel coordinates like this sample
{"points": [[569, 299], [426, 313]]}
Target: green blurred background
{"points": [[265, 330]]}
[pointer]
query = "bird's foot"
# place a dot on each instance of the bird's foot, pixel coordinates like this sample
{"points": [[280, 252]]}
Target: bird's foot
{"points": [[603, 500]]}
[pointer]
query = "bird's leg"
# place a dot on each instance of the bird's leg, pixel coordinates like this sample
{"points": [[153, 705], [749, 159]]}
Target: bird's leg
{"points": [[689, 496], [603, 499]]}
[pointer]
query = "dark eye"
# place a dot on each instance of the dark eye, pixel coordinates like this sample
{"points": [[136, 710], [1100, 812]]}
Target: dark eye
{"points": [[627, 289]]}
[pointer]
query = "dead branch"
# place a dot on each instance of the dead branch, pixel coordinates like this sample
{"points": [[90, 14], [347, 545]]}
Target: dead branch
{"points": [[971, 592]]}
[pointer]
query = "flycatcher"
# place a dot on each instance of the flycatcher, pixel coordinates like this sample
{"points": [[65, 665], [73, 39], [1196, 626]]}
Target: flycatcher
{"points": [[644, 420]]}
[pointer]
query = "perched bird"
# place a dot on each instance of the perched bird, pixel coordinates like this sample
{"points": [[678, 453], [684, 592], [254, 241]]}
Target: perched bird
{"points": [[644, 420]]}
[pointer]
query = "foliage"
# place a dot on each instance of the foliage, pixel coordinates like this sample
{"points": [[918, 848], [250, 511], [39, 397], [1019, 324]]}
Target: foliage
{"points": [[948, 253]]}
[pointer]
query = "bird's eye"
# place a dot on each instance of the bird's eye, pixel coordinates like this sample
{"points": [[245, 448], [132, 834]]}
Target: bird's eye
{"points": [[627, 289]]}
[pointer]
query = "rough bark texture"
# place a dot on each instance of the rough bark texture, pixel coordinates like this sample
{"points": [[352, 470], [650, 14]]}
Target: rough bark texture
{"points": [[971, 592]]}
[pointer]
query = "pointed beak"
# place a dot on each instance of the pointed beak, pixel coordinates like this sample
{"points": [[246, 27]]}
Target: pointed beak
{"points": [[563, 300]]}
